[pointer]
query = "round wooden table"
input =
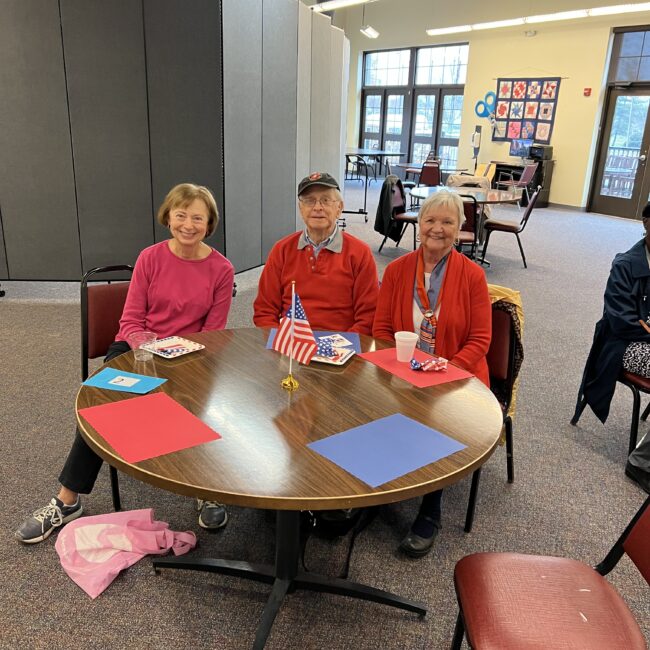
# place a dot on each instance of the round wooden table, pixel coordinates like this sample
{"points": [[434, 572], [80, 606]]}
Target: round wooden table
{"points": [[262, 460]]}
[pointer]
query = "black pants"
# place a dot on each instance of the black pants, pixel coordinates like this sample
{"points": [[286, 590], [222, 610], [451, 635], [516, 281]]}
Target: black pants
{"points": [[83, 464]]}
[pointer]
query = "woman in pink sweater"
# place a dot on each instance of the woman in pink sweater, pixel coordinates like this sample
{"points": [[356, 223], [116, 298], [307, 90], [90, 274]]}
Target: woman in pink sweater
{"points": [[179, 286]]}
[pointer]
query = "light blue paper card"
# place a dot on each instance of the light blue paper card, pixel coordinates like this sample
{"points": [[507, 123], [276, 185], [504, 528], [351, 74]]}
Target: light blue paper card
{"points": [[352, 337], [126, 382], [383, 450]]}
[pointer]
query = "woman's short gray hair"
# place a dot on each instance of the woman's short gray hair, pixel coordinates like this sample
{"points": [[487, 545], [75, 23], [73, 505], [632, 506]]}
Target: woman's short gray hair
{"points": [[444, 199]]}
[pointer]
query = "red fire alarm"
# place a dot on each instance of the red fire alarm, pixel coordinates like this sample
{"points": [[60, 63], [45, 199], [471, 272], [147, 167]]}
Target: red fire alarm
{"points": [[586, 92]]}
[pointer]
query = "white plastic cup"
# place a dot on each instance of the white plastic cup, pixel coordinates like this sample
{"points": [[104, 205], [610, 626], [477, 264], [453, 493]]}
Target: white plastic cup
{"points": [[405, 345], [141, 344]]}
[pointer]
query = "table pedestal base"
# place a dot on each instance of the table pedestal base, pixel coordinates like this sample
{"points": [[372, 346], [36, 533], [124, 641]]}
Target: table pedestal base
{"points": [[286, 577]]}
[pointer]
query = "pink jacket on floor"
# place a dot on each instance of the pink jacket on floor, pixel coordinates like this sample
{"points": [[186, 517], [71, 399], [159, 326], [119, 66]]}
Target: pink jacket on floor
{"points": [[93, 550]]}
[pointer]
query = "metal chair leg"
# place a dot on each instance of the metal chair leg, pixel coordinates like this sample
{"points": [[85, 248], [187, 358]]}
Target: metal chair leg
{"points": [[510, 457], [485, 244], [471, 506], [634, 426], [459, 633], [521, 249], [115, 489], [382, 244]]}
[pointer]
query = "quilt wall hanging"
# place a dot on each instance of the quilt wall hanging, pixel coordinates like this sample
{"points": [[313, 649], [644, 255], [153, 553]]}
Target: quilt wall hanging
{"points": [[525, 108]]}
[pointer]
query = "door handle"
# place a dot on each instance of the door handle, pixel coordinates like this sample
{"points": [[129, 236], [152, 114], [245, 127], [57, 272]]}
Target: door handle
{"points": [[642, 157]]}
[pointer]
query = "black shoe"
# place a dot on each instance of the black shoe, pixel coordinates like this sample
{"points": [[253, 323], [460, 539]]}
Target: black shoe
{"points": [[212, 515], [415, 546], [638, 475]]}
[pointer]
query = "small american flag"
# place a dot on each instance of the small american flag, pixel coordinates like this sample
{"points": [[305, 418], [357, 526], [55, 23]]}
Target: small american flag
{"points": [[325, 349], [304, 343]]}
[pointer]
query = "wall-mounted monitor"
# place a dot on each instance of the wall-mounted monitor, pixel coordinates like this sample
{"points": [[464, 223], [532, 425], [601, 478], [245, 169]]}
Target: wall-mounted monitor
{"points": [[520, 148]]}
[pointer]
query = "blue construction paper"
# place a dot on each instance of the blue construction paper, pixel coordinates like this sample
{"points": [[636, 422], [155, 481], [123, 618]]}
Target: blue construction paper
{"points": [[353, 337], [144, 383], [383, 450]]}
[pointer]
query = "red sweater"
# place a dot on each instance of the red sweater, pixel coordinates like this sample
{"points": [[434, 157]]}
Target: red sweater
{"points": [[169, 295], [465, 321], [338, 290]]}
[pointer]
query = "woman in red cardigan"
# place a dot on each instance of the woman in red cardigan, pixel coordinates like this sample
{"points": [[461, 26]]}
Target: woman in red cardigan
{"points": [[442, 296]]}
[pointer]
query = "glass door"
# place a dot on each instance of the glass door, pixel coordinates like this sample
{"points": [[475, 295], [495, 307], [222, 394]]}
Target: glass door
{"points": [[371, 121], [436, 125], [449, 130], [621, 184], [424, 125]]}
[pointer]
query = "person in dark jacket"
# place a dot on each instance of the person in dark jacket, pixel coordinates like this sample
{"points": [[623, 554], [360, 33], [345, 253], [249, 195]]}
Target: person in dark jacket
{"points": [[621, 341]]}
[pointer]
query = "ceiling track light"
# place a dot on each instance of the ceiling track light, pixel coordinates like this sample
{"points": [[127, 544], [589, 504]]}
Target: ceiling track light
{"points": [[331, 5], [367, 30], [576, 14]]}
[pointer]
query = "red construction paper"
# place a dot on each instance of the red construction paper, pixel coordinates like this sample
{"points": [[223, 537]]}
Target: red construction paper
{"points": [[387, 359], [145, 427]]}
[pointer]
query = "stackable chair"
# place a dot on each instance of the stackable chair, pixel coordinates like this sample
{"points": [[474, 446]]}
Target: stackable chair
{"points": [[507, 181], [637, 385], [101, 310], [512, 601], [415, 171], [391, 203], [468, 236], [514, 228], [504, 359]]}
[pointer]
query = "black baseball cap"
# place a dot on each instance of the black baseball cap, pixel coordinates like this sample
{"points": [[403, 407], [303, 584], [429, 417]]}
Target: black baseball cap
{"points": [[317, 178]]}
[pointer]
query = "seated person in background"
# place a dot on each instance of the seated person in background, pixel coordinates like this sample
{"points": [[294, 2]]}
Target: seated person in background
{"points": [[179, 286], [335, 273], [622, 343], [442, 296]]}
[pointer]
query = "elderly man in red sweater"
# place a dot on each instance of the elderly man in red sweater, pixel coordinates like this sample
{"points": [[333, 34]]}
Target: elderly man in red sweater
{"points": [[335, 273]]}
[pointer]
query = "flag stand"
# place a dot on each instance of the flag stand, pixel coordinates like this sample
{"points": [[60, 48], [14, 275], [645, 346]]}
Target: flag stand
{"points": [[289, 383]]}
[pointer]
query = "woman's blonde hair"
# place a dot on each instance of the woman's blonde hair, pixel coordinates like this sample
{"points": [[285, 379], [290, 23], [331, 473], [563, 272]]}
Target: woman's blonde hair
{"points": [[184, 194], [444, 199]]}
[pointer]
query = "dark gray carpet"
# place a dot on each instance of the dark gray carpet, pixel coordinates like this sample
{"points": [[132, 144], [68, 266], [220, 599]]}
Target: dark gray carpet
{"points": [[570, 496]]}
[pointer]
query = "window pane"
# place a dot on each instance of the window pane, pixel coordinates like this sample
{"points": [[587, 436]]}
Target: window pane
{"points": [[632, 44], [389, 68], [452, 108], [441, 65], [424, 114], [370, 143], [420, 152], [627, 68], [644, 69], [448, 157], [395, 115], [372, 114], [392, 145]]}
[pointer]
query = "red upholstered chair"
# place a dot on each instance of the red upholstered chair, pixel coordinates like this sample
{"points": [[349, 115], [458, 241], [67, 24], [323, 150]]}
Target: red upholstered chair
{"points": [[101, 310], [468, 235], [511, 601], [430, 174], [400, 219], [503, 370]]}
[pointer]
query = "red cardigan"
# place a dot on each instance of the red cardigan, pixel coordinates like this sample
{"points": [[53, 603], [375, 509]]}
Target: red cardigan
{"points": [[465, 321]]}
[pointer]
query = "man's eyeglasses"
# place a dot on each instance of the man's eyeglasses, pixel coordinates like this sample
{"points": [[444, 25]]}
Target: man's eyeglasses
{"points": [[310, 202]]}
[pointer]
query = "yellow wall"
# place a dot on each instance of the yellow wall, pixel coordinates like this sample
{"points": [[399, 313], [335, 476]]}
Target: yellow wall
{"points": [[578, 51]]}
